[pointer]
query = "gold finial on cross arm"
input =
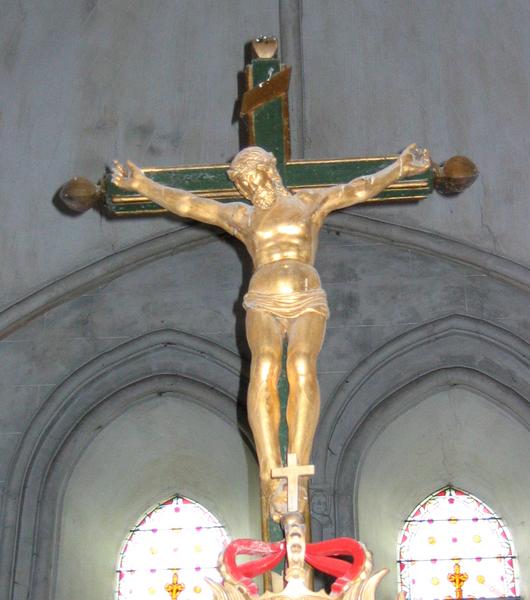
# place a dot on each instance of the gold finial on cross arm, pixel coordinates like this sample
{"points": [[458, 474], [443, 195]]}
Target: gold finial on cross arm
{"points": [[265, 46], [174, 588]]}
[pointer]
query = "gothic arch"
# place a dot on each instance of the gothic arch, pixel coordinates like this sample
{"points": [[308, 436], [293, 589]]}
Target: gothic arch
{"points": [[162, 362], [455, 352], [87, 277], [456, 341], [451, 351], [411, 432], [352, 459]]}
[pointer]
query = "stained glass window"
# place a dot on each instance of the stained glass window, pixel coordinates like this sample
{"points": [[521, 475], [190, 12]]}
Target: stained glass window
{"points": [[177, 536], [449, 528]]}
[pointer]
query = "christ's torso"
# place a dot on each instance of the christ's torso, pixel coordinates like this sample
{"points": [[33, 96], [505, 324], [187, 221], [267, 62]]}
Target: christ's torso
{"points": [[283, 241]]}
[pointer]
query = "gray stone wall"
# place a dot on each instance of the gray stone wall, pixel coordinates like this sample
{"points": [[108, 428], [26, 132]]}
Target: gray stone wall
{"points": [[92, 81], [114, 330], [453, 76]]}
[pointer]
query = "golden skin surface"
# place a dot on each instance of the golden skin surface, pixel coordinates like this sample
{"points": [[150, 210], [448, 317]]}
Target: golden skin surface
{"points": [[280, 231]]}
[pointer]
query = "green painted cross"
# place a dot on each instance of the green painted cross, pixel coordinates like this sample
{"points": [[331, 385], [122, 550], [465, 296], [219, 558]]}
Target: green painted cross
{"points": [[264, 111], [264, 108]]}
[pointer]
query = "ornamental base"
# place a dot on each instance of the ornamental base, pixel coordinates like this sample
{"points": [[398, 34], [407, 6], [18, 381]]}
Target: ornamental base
{"points": [[362, 588], [353, 580]]}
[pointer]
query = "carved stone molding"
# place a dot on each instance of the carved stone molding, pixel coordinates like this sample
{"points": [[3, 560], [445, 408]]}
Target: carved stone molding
{"points": [[100, 271], [452, 351], [156, 363], [86, 278], [435, 244]]}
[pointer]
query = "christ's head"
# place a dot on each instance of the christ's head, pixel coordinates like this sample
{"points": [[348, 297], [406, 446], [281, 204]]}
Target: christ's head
{"points": [[253, 172]]}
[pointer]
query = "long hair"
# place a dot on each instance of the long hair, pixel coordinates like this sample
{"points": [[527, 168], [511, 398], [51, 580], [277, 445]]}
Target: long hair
{"points": [[249, 159]]}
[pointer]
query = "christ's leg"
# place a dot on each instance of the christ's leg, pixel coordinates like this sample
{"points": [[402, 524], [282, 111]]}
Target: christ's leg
{"points": [[265, 338], [306, 334]]}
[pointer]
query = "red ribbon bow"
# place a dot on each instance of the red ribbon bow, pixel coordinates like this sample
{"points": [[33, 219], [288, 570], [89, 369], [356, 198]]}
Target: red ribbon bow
{"points": [[322, 556]]}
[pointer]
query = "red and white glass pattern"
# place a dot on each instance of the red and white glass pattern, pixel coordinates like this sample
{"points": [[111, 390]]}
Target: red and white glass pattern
{"points": [[178, 535], [452, 526]]}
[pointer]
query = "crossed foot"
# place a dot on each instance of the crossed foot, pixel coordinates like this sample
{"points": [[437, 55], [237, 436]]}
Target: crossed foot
{"points": [[276, 498]]}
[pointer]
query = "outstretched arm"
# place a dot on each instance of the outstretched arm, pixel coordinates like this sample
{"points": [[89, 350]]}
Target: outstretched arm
{"points": [[412, 161], [232, 216]]}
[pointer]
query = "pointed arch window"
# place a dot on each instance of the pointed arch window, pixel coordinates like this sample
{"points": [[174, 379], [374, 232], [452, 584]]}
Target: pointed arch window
{"points": [[178, 536], [452, 527]]}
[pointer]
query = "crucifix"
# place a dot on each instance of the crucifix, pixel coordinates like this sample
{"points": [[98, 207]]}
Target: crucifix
{"points": [[292, 473], [289, 201], [293, 522], [264, 113]]}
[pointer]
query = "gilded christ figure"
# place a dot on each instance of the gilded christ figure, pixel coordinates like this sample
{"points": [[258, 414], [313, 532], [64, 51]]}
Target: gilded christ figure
{"points": [[285, 299]]}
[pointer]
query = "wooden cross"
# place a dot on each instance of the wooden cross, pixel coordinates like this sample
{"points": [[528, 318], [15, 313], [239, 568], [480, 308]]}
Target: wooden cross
{"points": [[458, 579], [264, 110], [174, 588], [292, 472], [265, 113]]}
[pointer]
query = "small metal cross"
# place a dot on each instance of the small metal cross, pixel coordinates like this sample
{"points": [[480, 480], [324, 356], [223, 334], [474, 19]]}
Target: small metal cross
{"points": [[292, 472]]}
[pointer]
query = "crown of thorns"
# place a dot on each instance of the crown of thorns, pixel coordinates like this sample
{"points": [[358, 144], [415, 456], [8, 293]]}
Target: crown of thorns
{"points": [[250, 158]]}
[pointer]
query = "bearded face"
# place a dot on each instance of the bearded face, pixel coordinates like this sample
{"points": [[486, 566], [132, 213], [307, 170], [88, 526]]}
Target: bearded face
{"points": [[258, 183], [264, 197], [254, 174]]}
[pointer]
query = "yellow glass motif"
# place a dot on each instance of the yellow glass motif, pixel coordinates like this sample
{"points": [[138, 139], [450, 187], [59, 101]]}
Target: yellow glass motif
{"points": [[174, 589], [452, 526], [163, 542]]}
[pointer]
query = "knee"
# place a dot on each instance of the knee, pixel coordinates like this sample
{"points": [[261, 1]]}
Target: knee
{"points": [[265, 366], [301, 364]]}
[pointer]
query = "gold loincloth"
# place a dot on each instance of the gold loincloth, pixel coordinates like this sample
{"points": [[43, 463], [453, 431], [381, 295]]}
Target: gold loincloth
{"points": [[288, 306]]}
